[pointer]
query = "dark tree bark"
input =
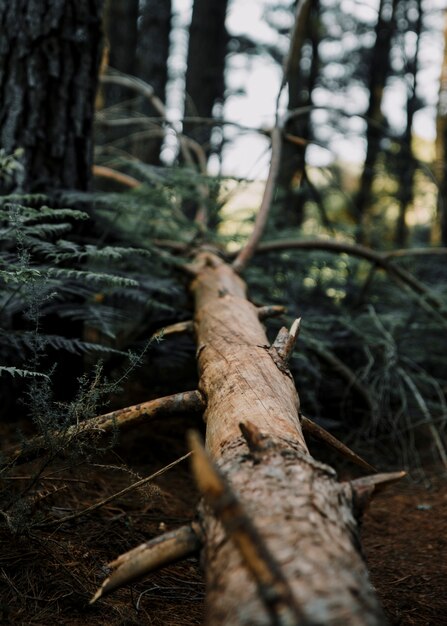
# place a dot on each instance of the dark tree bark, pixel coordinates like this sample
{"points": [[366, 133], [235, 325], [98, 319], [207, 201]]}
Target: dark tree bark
{"points": [[441, 147], [408, 162], [152, 66], [205, 84], [121, 29], [288, 209], [49, 59], [378, 73]]}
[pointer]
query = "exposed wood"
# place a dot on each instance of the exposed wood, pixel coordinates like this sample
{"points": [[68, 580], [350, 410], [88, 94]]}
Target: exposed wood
{"points": [[149, 556], [264, 312], [273, 586], [286, 339], [187, 401], [302, 514]]}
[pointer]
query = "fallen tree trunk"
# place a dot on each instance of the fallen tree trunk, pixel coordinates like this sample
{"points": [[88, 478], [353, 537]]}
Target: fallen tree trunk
{"points": [[302, 514]]}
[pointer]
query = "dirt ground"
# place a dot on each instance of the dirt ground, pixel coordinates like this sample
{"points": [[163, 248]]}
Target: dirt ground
{"points": [[49, 570]]}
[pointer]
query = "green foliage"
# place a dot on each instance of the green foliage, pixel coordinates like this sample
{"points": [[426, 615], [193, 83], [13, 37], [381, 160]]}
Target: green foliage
{"points": [[369, 362]]}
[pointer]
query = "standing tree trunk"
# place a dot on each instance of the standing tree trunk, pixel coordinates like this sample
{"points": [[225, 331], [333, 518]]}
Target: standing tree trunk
{"points": [[205, 84], [49, 59], [378, 73], [408, 162], [152, 67], [302, 513], [121, 29], [288, 210], [441, 146]]}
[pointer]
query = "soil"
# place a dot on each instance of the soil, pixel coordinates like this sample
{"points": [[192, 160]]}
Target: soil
{"points": [[49, 571]]}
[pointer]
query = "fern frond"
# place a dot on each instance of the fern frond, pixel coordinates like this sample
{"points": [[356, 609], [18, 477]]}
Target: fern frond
{"points": [[15, 371]]}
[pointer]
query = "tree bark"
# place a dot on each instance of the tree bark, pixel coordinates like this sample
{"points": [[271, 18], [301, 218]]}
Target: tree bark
{"points": [[205, 84], [441, 147], [379, 70], [408, 162], [121, 27], [288, 210], [49, 59], [303, 514], [152, 67]]}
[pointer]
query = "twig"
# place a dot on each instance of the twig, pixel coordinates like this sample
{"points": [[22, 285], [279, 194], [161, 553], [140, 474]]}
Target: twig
{"points": [[186, 143], [123, 492], [180, 328], [147, 557], [249, 249]]}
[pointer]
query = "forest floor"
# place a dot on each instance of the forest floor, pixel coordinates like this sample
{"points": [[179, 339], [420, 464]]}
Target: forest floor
{"points": [[49, 573]]}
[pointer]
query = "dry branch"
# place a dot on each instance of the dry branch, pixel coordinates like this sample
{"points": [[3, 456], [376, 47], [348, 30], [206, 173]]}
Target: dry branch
{"points": [[187, 145], [322, 434], [147, 557], [107, 172], [187, 401], [380, 259], [249, 249]]}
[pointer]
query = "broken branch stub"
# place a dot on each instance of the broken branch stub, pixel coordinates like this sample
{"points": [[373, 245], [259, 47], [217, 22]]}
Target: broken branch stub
{"points": [[147, 557], [302, 514]]}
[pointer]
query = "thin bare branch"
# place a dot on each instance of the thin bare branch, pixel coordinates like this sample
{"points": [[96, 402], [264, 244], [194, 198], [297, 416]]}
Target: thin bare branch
{"points": [[249, 249], [320, 433], [187, 145], [119, 419], [107, 172], [339, 247], [180, 328], [363, 489], [119, 494]]}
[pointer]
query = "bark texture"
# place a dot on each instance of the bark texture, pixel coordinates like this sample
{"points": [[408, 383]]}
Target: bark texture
{"points": [[378, 74], [304, 515], [152, 64], [49, 58], [205, 84]]}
